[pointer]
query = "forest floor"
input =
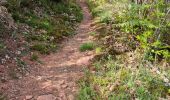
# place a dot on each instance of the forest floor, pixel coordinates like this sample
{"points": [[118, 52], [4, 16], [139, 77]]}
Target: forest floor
{"points": [[56, 78]]}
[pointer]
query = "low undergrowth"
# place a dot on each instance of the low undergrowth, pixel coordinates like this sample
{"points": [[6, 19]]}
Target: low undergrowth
{"points": [[49, 20], [120, 77], [87, 46], [134, 56], [147, 23]]}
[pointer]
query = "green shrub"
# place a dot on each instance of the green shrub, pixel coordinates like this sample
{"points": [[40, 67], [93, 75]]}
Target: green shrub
{"points": [[149, 28], [87, 46], [137, 20]]}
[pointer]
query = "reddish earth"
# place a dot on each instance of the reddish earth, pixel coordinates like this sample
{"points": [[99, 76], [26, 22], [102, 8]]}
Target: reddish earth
{"points": [[56, 78]]}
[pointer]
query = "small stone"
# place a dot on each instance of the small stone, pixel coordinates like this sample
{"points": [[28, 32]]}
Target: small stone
{"points": [[61, 82], [74, 89], [28, 97], [93, 72], [7, 57], [65, 70], [46, 97], [3, 79], [64, 86], [18, 52], [63, 96]]}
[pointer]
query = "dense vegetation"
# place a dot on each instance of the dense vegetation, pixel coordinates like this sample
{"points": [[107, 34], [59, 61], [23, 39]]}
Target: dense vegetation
{"points": [[134, 51]]}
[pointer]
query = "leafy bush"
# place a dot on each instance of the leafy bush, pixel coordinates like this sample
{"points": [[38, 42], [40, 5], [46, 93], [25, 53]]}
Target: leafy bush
{"points": [[138, 19], [147, 23]]}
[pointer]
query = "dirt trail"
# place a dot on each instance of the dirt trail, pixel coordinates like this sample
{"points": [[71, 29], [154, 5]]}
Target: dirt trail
{"points": [[56, 79]]}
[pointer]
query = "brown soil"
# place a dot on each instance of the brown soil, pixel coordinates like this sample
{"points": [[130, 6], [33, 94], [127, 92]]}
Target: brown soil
{"points": [[56, 78]]}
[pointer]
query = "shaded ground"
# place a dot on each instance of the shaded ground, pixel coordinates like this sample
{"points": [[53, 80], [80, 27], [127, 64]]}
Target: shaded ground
{"points": [[56, 78]]}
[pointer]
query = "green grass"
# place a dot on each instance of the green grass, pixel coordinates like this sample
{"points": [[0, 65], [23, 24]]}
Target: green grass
{"points": [[92, 33], [87, 46], [44, 48], [114, 80], [34, 57], [87, 91]]}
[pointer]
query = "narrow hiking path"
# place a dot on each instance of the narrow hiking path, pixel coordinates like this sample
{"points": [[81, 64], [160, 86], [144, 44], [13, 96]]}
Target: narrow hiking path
{"points": [[56, 78]]}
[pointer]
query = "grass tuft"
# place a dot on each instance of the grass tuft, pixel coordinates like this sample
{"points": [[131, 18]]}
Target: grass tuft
{"points": [[44, 48], [92, 33], [34, 57], [87, 46]]}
